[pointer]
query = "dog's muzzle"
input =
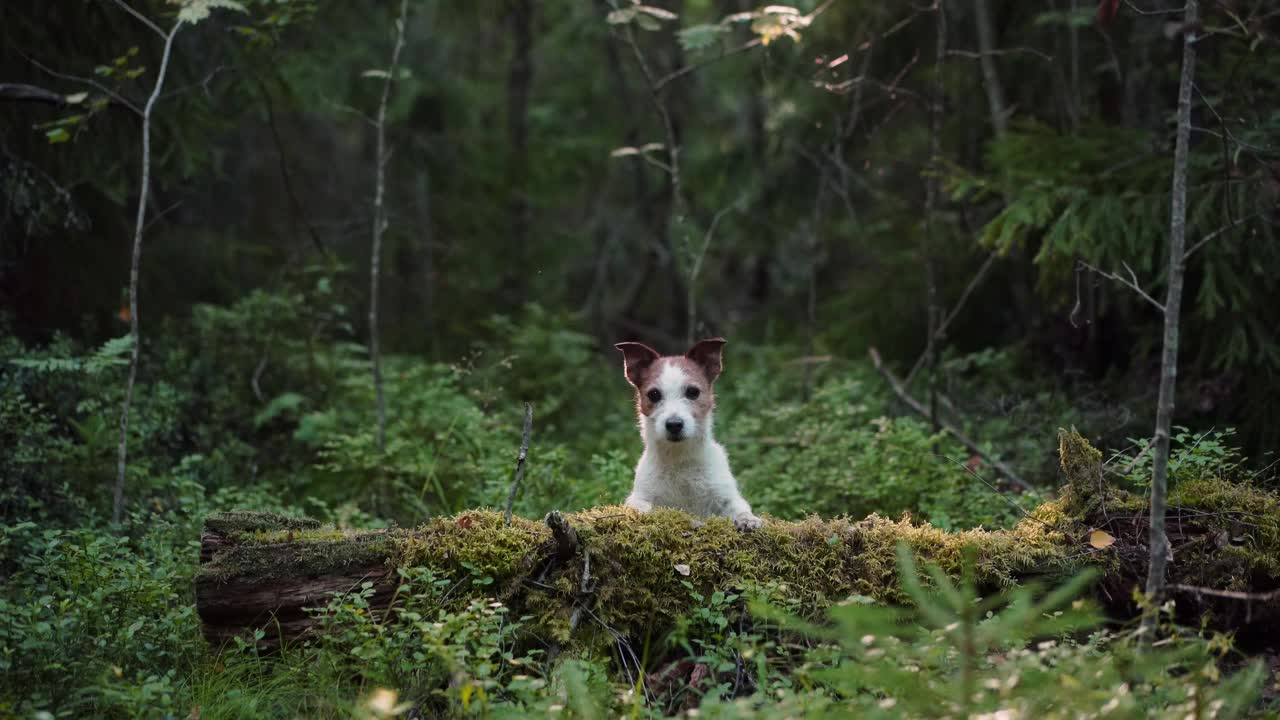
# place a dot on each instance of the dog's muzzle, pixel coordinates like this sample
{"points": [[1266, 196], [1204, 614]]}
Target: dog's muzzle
{"points": [[675, 429]]}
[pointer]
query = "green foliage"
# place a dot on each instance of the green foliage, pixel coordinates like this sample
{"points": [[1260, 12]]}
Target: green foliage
{"points": [[1020, 653], [1191, 456], [1097, 196], [112, 354], [839, 454]]}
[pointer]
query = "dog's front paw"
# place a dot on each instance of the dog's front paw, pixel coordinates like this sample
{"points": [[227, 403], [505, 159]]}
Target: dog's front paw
{"points": [[747, 522], [643, 506]]}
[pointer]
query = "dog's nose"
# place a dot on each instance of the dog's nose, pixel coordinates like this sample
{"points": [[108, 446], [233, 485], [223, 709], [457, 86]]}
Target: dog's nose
{"points": [[674, 426]]}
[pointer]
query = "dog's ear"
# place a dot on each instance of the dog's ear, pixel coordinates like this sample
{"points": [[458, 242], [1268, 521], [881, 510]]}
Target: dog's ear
{"points": [[708, 355], [637, 358]]}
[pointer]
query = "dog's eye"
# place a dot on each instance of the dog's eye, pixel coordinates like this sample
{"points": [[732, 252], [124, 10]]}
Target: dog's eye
{"points": [[692, 392], [655, 395]]}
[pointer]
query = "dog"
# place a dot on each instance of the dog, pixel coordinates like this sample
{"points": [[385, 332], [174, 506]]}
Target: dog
{"points": [[682, 466]]}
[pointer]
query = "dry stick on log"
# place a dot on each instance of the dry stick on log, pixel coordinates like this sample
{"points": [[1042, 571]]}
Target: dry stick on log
{"points": [[567, 543], [1158, 541], [135, 265], [901, 392], [518, 475], [379, 226]]}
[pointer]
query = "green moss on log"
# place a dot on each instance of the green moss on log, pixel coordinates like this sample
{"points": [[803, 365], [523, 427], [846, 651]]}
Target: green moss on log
{"points": [[646, 568], [239, 521], [262, 554]]}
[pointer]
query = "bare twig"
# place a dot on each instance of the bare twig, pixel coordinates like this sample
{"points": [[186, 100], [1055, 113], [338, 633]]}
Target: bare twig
{"points": [[946, 322], [980, 54], [896, 386], [676, 74], [1140, 11], [257, 377], [518, 474], [22, 92], [1230, 594], [1229, 226], [655, 95], [697, 267], [350, 111], [996, 490], [161, 215], [287, 177], [143, 19], [113, 95], [135, 265], [380, 226], [1131, 282]]}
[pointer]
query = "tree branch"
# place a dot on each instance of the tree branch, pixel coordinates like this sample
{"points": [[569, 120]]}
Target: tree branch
{"points": [[114, 96], [697, 267], [946, 322], [21, 92], [1229, 226], [143, 19], [677, 74], [1131, 282]]}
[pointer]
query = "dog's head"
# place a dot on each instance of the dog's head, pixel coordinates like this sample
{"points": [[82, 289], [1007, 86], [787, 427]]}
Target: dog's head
{"points": [[673, 392]]}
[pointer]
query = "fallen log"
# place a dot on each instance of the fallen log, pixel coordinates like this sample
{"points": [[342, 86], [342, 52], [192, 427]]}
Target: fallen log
{"points": [[594, 576]]}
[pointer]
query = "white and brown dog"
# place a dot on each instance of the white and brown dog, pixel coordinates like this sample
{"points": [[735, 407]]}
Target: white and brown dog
{"points": [[682, 467]]}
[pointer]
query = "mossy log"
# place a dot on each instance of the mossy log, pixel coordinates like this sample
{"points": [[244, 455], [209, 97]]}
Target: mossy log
{"points": [[263, 571]]}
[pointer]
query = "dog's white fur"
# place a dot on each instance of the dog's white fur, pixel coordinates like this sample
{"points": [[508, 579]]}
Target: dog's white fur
{"points": [[691, 474]]}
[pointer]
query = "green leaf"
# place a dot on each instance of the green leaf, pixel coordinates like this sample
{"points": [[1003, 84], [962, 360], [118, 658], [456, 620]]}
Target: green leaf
{"points": [[647, 22], [700, 37], [57, 135], [194, 11], [621, 17]]}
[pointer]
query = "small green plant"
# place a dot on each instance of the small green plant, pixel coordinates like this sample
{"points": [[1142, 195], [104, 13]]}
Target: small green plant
{"points": [[1016, 654], [1207, 454]]}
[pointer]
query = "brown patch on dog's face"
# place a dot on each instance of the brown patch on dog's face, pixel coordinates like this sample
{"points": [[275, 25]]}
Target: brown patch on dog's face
{"points": [[676, 380], [674, 394]]}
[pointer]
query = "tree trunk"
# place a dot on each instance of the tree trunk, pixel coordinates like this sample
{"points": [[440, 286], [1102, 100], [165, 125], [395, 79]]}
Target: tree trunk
{"points": [[135, 268], [987, 61], [262, 571], [929, 243], [380, 226], [519, 87], [1159, 543]]}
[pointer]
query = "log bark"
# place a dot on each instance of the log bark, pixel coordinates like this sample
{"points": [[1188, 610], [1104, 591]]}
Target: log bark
{"points": [[263, 571]]}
